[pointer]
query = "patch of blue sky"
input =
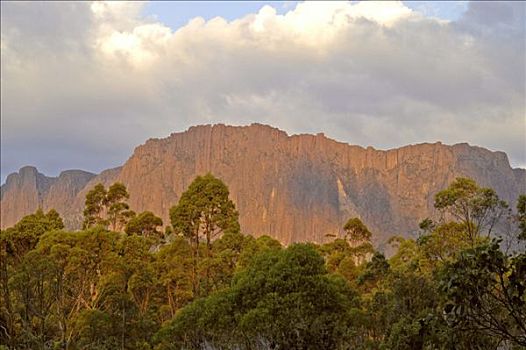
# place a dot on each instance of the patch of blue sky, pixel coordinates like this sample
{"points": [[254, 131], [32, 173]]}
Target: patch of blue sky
{"points": [[448, 10], [176, 14]]}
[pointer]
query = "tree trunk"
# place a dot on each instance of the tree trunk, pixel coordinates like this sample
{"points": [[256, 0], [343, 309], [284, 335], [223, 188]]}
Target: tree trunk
{"points": [[208, 253], [195, 279]]}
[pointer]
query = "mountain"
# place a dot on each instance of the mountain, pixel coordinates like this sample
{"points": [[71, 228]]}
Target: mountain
{"points": [[26, 191], [294, 188]]}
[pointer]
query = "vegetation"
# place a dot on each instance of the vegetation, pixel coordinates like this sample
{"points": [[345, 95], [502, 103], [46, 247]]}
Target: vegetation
{"points": [[204, 211], [121, 283], [107, 208], [145, 224]]}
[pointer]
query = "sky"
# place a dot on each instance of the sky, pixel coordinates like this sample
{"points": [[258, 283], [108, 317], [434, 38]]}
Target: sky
{"points": [[83, 84]]}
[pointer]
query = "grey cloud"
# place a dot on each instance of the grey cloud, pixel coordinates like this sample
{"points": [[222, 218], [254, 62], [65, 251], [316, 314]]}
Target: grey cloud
{"points": [[416, 80], [37, 31]]}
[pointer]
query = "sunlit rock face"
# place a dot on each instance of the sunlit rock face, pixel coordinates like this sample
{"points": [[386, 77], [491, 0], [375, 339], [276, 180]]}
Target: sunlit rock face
{"points": [[26, 191], [294, 188]]}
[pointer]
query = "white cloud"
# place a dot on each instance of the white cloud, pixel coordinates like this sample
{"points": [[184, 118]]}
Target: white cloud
{"points": [[100, 78], [142, 46]]}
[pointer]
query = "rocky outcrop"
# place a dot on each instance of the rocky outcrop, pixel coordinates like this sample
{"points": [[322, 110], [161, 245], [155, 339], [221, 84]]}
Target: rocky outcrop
{"points": [[26, 191], [22, 193], [301, 187]]}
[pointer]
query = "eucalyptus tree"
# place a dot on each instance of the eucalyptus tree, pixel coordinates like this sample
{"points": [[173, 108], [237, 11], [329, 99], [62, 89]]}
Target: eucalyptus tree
{"points": [[107, 207], [204, 211]]}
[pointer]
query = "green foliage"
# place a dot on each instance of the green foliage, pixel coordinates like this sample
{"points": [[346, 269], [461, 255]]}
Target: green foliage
{"points": [[174, 266], [356, 231], [145, 224], [204, 211], [451, 288], [375, 269], [255, 246], [427, 225], [33, 284], [94, 206], [408, 256], [107, 208], [485, 291], [24, 236], [475, 207], [444, 243], [90, 324], [117, 209], [284, 299]]}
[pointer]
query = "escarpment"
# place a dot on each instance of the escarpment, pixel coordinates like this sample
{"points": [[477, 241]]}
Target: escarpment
{"points": [[294, 188]]}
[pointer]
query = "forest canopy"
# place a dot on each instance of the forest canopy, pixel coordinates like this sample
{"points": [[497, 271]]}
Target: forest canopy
{"points": [[125, 282]]}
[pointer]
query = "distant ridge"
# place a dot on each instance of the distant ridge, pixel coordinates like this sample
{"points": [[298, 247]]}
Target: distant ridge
{"points": [[294, 188]]}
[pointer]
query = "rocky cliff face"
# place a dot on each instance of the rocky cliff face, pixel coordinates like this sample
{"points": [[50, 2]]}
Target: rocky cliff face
{"points": [[294, 188], [26, 191], [22, 193]]}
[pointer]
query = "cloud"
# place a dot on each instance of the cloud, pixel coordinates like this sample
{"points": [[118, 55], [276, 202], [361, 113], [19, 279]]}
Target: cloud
{"points": [[84, 83]]}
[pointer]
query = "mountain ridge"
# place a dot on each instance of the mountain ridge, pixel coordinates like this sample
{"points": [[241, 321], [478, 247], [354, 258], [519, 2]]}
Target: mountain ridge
{"points": [[292, 187]]}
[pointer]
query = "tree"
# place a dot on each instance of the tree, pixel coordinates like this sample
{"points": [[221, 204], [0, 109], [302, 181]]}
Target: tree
{"points": [[15, 243], [94, 206], [174, 265], [427, 225], [96, 330], [145, 224], [475, 207], [32, 285], [204, 210], [107, 207], [375, 270], [398, 314], [444, 243], [118, 210], [486, 294], [356, 232], [359, 237], [24, 236], [227, 258], [285, 299], [134, 288]]}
